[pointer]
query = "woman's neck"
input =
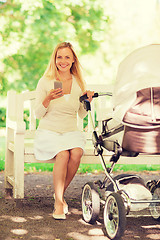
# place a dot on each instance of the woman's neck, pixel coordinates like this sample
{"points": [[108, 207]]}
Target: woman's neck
{"points": [[65, 76]]}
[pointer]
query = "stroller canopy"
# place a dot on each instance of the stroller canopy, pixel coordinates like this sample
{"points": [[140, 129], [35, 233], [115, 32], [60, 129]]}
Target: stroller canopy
{"points": [[139, 70]]}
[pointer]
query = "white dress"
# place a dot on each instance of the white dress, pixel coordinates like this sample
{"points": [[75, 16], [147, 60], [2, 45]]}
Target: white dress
{"points": [[48, 143], [58, 129]]}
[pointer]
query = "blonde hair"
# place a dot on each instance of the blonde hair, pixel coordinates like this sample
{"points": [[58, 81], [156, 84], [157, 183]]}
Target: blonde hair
{"points": [[52, 71]]}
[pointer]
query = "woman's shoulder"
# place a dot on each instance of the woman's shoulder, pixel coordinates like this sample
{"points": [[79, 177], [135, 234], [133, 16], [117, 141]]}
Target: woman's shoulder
{"points": [[45, 83], [45, 80]]}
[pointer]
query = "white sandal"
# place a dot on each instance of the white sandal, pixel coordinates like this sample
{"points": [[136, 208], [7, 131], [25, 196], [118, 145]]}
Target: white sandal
{"points": [[65, 209], [59, 216]]}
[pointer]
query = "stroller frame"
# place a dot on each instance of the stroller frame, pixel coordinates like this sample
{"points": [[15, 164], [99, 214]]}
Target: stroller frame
{"points": [[117, 203]]}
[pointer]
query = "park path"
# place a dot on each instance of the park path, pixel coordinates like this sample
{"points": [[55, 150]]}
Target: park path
{"points": [[31, 217]]}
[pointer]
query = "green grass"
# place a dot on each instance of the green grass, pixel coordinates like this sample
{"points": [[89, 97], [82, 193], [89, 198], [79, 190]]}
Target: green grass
{"points": [[91, 168], [96, 168], [83, 168], [2, 153], [38, 167], [2, 165]]}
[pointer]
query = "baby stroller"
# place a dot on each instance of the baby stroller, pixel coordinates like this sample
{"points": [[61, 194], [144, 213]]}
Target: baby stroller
{"points": [[133, 129]]}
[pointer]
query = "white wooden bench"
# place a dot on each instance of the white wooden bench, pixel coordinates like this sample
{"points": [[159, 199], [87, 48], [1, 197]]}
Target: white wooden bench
{"points": [[19, 140]]}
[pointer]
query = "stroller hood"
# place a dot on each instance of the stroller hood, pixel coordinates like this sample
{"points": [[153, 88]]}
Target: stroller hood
{"points": [[139, 70]]}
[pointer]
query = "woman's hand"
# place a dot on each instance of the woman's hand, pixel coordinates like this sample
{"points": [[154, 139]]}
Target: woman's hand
{"points": [[89, 95], [53, 94]]}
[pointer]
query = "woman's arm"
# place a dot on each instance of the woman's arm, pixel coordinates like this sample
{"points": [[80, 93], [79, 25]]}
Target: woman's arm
{"points": [[40, 109], [43, 98]]}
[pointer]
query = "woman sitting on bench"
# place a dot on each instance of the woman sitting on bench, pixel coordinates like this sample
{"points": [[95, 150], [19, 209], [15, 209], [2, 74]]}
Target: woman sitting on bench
{"points": [[57, 105]]}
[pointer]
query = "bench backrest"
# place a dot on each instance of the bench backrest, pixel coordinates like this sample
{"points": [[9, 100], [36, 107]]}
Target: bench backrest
{"points": [[18, 103]]}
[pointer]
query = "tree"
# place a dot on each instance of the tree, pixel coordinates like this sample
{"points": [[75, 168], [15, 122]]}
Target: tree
{"points": [[31, 29]]}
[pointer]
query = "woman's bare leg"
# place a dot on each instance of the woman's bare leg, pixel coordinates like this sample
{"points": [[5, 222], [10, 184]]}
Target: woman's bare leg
{"points": [[73, 165], [59, 178]]}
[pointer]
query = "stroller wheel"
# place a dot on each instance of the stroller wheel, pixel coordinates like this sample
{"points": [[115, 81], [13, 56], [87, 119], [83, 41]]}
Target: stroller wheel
{"points": [[90, 203], [155, 207], [114, 216]]}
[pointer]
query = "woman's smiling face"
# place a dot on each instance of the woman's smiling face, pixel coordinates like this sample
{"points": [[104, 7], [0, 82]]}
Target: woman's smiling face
{"points": [[64, 59]]}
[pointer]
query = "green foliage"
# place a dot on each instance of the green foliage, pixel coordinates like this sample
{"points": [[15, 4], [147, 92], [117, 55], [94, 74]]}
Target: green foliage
{"points": [[2, 117], [31, 29], [26, 119], [85, 121]]}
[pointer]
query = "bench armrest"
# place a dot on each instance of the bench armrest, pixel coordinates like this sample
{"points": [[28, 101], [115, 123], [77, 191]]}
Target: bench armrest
{"points": [[17, 126]]}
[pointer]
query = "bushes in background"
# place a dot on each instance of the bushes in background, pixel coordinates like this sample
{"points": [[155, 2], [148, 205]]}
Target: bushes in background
{"points": [[2, 117]]}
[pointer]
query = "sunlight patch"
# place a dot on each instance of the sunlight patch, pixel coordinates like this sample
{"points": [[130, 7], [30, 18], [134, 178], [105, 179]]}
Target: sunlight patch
{"points": [[76, 211], [19, 231], [96, 232], [45, 236], [79, 236], [36, 218], [18, 219], [38, 186], [13, 219], [153, 236], [83, 222], [4, 217], [152, 226]]}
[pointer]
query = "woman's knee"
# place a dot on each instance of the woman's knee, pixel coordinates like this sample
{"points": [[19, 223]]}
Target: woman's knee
{"points": [[63, 155], [76, 154]]}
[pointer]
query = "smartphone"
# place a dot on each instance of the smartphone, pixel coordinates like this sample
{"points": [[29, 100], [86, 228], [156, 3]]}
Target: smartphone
{"points": [[57, 84]]}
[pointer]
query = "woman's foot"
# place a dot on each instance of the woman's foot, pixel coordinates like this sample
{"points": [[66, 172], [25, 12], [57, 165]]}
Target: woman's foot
{"points": [[65, 205], [58, 212]]}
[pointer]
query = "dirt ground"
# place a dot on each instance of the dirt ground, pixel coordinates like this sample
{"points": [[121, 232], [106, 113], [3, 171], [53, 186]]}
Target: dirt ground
{"points": [[31, 217]]}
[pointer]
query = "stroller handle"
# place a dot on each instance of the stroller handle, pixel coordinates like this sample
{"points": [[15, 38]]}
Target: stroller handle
{"points": [[84, 97]]}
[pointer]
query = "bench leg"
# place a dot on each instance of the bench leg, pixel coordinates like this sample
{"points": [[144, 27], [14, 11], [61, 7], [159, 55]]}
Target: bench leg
{"points": [[9, 162], [18, 187], [14, 169]]}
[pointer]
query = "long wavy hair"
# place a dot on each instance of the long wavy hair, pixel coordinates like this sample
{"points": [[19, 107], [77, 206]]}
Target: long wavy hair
{"points": [[52, 71]]}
